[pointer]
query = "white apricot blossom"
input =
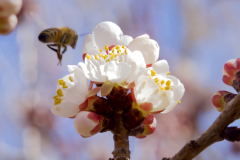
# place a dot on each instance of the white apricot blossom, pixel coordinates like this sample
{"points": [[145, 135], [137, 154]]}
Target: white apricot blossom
{"points": [[157, 91], [108, 57], [71, 91]]}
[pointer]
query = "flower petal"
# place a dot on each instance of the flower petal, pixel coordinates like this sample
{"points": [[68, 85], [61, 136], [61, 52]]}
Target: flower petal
{"points": [[117, 72], [125, 40], [136, 60], [148, 47], [106, 88], [65, 109], [88, 44], [161, 67], [106, 33]]}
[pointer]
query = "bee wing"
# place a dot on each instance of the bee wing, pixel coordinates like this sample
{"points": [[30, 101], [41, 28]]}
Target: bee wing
{"points": [[39, 20]]}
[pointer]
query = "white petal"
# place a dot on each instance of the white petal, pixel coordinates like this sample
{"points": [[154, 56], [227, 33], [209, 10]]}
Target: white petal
{"points": [[88, 44], [170, 106], [136, 60], [106, 33], [125, 40], [65, 109], [117, 72], [148, 47], [71, 68], [163, 102], [161, 67], [178, 92]]}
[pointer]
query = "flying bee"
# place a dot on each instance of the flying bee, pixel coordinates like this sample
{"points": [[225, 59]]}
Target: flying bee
{"points": [[61, 37]]}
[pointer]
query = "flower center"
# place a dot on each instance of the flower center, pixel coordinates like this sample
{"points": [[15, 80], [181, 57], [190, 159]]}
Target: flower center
{"points": [[162, 84], [58, 98]]}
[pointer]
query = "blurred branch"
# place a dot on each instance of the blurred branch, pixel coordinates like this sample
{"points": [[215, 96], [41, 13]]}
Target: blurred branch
{"points": [[218, 131]]}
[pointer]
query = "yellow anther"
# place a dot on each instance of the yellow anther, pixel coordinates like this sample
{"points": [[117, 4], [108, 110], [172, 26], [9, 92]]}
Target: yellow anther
{"points": [[60, 82], [167, 88], [57, 101], [156, 80], [112, 57], [105, 57], [88, 56], [125, 51], [107, 60], [55, 97], [121, 53], [101, 55], [123, 46], [168, 73], [153, 73], [178, 101], [118, 51], [106, 47], [117, 54], [113, 50], [71, 78], [157, 83], [150, 77], [97, 57], [117, 47], [162, 82], [59, 93], [100, 50], [119, 61], [110, 54], [168, 83], [161, 88], [64, 85]]}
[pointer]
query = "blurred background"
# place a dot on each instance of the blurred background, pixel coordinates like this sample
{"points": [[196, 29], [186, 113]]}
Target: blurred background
{"points": [[196, 37]]}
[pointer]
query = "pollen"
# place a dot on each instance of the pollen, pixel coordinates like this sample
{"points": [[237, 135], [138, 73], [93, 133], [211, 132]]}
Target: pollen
{"points": [[59, 93], [161, 88], [101, 55], [168, 83], [156, 80], [113, 50], [123, 46], [60, 81], [153, 73], [107, 60], [178, 101], [168, 73], [88, 56], [64, 85], [97, 57], [106, 47], [162, 82], [55, 97], [167, 88], [117, 47], [121, 53], [150, 77], [71, 78], [100, 50], [125, 51], [57, 101], [112, 57], [105, 57]]}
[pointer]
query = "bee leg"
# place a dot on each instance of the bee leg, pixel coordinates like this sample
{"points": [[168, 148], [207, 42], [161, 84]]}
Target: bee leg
{"points": [[65, 48], [49, 46], [57, 51]]}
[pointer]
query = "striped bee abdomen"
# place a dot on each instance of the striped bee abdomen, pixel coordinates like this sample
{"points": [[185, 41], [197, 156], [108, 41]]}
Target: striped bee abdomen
{"points": [[50, 35]]}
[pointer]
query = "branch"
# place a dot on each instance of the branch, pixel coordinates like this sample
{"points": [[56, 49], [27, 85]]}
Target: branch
{"points": [[218, 131]]}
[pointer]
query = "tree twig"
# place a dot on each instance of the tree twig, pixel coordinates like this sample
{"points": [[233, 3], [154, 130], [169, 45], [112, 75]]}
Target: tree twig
{"points": [[215, 133]]}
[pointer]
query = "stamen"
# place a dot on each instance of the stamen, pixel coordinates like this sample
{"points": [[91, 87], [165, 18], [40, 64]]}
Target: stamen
{"points": [[107, 60], [110, 54], [64, 85], [105, 57], [168, 83], [117, 47], [123, 46], [121, 53], [96, 57], [161, 88], [71, 78], [112, 57], [106, 47], [162, 82], [88, 56], [167, 88], [60, 81], [156, 80], [168, 73], [113, 50], [59, 93], [101, 55], [100, 50], [55, 97], [126, 51], [179, 101], [57, 101], [153, 73], [150, 77]]}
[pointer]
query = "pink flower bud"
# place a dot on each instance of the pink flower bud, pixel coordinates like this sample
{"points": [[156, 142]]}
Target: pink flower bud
{"points": [[9, 7], [149, 124], [221, 98], [8, 24], [230, 69], [88, 123]]}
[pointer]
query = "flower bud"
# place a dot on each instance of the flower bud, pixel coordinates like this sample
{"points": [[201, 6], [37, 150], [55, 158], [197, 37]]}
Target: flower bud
{"points": [[149, 124], [8, 24], [88, 123], [221, 98]]}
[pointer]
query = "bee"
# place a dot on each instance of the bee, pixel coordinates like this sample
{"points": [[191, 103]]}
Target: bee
{"points": [[60, 37]]}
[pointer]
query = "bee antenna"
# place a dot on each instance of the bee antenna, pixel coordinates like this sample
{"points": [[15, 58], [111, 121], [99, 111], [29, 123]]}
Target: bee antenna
{"points": [[83, 34]]}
